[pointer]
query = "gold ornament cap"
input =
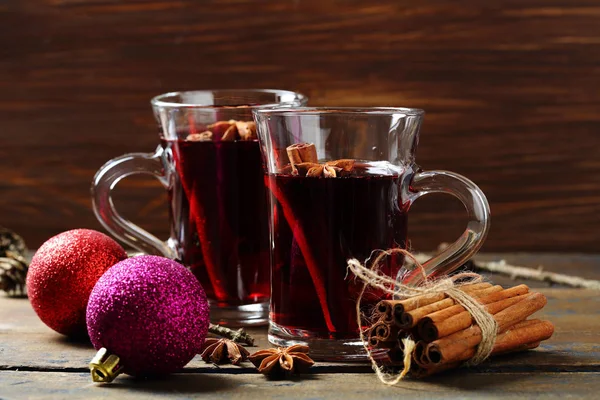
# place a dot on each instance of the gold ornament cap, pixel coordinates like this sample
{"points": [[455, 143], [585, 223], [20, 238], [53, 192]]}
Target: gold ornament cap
{"points": [[105, 367]]}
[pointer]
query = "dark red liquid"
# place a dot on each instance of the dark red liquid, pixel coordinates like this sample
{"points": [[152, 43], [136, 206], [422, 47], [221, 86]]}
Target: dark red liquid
{"points": [[335, 219], [219, 216]]}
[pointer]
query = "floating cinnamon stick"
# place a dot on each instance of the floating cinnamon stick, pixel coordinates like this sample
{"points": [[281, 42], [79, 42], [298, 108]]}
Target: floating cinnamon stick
{"points": [[225, 131], [301, 153], [309, 258], [198, 215], [230, 134], [246, 130]]}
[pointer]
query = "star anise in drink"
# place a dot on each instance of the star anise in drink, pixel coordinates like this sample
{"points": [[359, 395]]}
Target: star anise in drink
{"points": [[280, 362], [221, 351]]}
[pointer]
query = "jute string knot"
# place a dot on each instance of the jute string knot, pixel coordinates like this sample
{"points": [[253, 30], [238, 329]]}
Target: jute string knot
{"points": [[371, 277]]}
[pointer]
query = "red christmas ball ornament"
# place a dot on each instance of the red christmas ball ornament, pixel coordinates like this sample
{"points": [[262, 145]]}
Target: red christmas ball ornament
{"points": [[63, 273], [148, 316]]}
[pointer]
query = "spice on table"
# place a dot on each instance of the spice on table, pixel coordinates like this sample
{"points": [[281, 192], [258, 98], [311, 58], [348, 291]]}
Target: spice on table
{"points": [[222, 351], [282, 361], [446, 334]]}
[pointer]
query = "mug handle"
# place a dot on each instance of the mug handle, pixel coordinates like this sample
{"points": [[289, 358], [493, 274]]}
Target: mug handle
{"points": [[105, 181], [478, 211]]}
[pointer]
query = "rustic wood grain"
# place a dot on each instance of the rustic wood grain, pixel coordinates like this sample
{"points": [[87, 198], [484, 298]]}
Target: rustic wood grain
{"points": [[38, 363], [511, 90], [27, 344], [40, 385]]}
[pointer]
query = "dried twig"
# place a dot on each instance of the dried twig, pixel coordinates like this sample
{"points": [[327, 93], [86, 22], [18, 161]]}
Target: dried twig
{"points": [[239, 336], [517, 272]]}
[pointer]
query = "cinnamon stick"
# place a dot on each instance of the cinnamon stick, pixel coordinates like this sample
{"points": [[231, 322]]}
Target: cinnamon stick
{"points": [[475, 286], [456, 318], [490, 298], [198, 215], [301, 153], [410, 319], [384, 331], [309, 258], [384, 310], [486, 291], [393, 309], [461, 341], [420, 354], [463, 345], [464, 319]]}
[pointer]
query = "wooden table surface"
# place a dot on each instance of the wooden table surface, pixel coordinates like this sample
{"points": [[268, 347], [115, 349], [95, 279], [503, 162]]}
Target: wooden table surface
{"points": [[37, 363]]}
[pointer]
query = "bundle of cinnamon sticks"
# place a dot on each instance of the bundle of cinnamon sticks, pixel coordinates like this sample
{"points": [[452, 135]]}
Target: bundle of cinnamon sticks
{"points": [[445, 333]]}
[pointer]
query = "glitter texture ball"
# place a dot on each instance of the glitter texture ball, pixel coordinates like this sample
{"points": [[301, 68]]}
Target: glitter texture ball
{"points": [[63, 273], [151, 312]]}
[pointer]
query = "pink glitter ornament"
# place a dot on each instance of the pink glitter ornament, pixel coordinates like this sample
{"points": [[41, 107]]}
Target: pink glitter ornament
{"points": [[148, 316], [63, 273]]}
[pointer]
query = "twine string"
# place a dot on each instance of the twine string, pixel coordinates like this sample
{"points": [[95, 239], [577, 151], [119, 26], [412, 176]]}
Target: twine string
{"points": [[371, 277]]}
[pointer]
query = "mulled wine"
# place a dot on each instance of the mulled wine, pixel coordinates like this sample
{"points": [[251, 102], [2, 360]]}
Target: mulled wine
{"points": [[320, 220], [219, 215]]}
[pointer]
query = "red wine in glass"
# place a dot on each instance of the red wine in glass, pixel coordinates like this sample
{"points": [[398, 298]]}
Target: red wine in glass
{"points": [[324, 222], [220, 208]]}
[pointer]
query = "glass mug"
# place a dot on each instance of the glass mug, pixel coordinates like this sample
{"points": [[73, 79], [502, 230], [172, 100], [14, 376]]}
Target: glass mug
{"points": [[354, 201], [211, 166]]}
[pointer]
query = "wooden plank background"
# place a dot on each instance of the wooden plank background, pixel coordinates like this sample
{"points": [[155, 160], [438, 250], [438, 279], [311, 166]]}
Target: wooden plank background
{"points": [[511, 89]]}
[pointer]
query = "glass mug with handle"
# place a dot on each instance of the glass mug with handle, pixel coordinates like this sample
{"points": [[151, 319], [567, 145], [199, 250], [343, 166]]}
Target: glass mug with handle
{"points": [[341, 182], [209, 161]]}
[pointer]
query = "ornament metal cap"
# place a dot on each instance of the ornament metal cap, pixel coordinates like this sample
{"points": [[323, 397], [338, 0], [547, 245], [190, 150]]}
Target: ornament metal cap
{"points": [[105, 367]]}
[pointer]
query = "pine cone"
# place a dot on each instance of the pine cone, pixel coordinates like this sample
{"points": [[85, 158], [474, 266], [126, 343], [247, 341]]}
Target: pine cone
{"points": [[13, 272], [13, 264], [10, 241]]}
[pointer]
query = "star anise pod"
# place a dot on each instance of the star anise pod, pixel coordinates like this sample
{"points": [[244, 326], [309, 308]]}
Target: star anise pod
{"points": [[279, 362], [221, 351]]}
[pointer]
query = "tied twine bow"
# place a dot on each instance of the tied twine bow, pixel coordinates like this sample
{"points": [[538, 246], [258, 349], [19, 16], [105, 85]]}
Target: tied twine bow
{"points": [[372, 278]]}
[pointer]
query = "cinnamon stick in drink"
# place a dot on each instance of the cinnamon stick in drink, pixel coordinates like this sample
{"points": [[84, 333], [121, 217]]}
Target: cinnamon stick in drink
{"points": [[311, 264], [301, 153]]}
